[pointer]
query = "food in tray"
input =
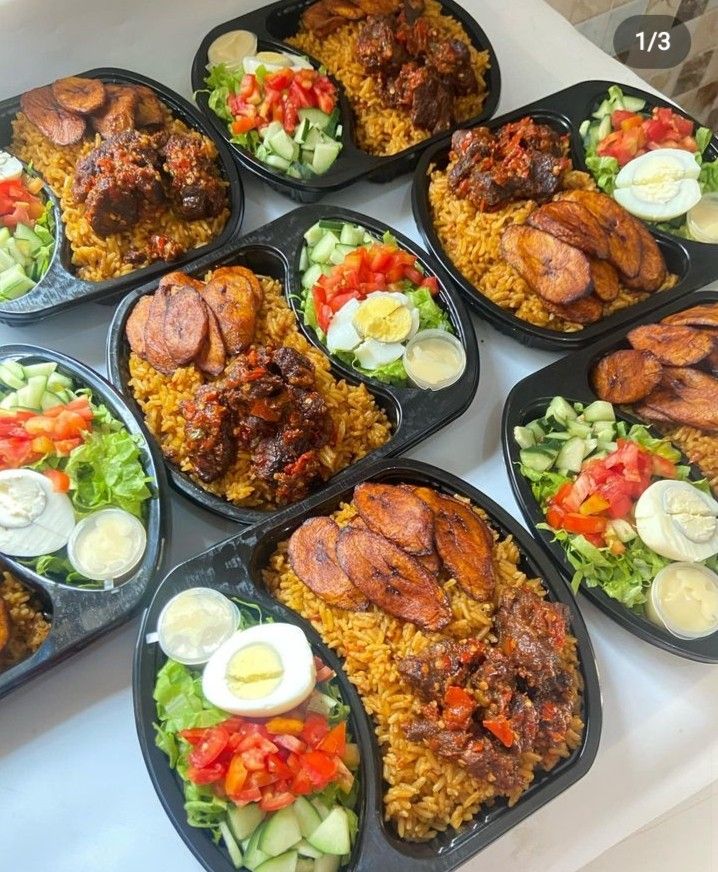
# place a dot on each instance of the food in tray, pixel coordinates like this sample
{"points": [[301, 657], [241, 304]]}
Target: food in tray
{"points": [[669, 377], [279, 108], [24, 626], [73, 489], [259, 738], [236, 397], [136, 185], [626, 512], [367, 300], [654, 163], [408, 69], [533, 235], [27, 229], [426, 602]]}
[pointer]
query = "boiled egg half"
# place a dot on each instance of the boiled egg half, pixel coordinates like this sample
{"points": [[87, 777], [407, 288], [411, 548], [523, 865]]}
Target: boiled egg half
{"points": [[375, 328], [35, 519], [678, 521], [659, 185], [231, 48], [10, 167], [262, 671]]}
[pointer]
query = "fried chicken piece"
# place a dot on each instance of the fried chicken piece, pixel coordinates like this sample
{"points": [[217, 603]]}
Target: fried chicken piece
{"points": [[57, 124], [686, 396], [5, 624], [148, 109], [397, 513], [587, 310], [186, 325], [652, 271], [137, 324], [622, 229], [573, 224], [556, 271], [626, 376], [208, 431], [392, 579], [313, 557], [464, 543], [212, 357], [672, 344], [605, 280], [156, 352], [118, 112], [230, 296], [79, 94], [705, 315]]}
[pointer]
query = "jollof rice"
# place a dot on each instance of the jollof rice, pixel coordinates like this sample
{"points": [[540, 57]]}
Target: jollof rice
{"points": [[424, 793], [28, 625]]}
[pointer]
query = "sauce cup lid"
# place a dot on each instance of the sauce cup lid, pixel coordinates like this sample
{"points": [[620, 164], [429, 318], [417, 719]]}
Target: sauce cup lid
{"points": [[443, 336], [230, 618], [655, 610]]}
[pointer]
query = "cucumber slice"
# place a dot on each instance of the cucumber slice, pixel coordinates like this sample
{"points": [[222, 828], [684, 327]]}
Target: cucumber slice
{"points": [[283, 145], [524, 437], [316, 117], [311, 276], [307, 850], [332, 834], [307, 816], [286, 862], [570, 457], [604, 109], [323, 249], [340, 252], [235, 852], [14, 282], [561, 410], [50, 400], [8, 377], [312, 138], [304, 864], [537, 429], [57, 382], [9, 402], [325, 153], [589, 446], [351, 235], [253, 855], [633, 104], [314, 234], [327, 863], [303, 259], [30, 396], [579, 428], [321, 809], [303, 128], [45, 369], [539, 458], [623, 530], [15, 368], [280, 832], [604, 128], [277, 161], [332, 224], [244, 820], [599, 410]]}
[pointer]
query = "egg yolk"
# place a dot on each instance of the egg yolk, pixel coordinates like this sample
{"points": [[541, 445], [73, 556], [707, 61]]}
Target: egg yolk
{"points": [[254, 671], [384, 319]]}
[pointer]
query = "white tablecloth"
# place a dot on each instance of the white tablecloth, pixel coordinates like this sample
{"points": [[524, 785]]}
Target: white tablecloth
{"points": [[74, 793]]}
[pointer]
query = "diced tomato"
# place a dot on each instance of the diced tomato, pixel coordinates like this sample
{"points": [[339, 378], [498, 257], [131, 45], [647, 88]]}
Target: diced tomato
{"points": [[247, 86], [209, 747], [63, 447], [68, 425], [254, 759], [554, 517], [663, 467], [562, 493], [274, 801], [335, 741], [280, 80], [326, 102], [60, 480], [206, 774], [321, 767], [40, 425], [620, 115], [291, 743], [277, 766], [244, 124], [324, 316], [291, 113], [575, 523], [257, 739], [293, 726], [339, 300], [458, 708], [302, 784], [236, 776], [432, 283], [249, 794], [301, 97], [501, 728], [315, 729], [15, 452], [43, 445]]}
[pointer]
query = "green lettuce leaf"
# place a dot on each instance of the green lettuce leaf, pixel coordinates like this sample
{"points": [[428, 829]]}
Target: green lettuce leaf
{"points": [[106, 471], [703, 137], [431, 315], [708, 178], [604, 171]]}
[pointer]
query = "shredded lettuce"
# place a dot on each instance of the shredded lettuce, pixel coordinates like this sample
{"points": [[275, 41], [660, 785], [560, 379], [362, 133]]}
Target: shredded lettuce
{"points": [[431, 315], [604, 171], [106, 471], [708, 178]]}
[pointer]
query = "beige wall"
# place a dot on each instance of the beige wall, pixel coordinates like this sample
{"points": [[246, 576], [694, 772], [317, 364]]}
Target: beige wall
{"points": [[694, 82]]}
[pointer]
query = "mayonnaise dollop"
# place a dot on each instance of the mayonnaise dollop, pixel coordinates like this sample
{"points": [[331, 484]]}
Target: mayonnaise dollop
{"points": [[684, 599]]}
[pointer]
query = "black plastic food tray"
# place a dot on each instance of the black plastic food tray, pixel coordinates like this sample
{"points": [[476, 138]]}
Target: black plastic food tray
{"points": [[276, 22], [695, 263], [61, 288], [79, 616], [569, 378], [234, 567], [274, 250]]}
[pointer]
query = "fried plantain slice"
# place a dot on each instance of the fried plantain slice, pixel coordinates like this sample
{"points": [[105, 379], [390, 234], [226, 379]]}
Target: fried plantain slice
{"points": [[118, 112], [464, 543], [148, 109], [624, 240], [705, 315], [137, 324], [554, 270], [652, 271], [213, 357], [587, 310], [397, 513], [626, 376], [672, 344], [313, 557], [378, 7], [57, 124], [685, 396], [573, 224], [156, 351], [605, 280], [185, 325], [347, 9], [223, 272], [392, 579], [232, 300], [78, 94], [5, 624], [176, 279]]}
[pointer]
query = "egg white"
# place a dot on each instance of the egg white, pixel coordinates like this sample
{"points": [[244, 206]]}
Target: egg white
{"points": [[297, 681], [665, 511], [659, 185]]}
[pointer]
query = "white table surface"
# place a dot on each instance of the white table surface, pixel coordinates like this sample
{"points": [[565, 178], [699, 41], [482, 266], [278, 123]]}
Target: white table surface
{"points": [[74, 793]]}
